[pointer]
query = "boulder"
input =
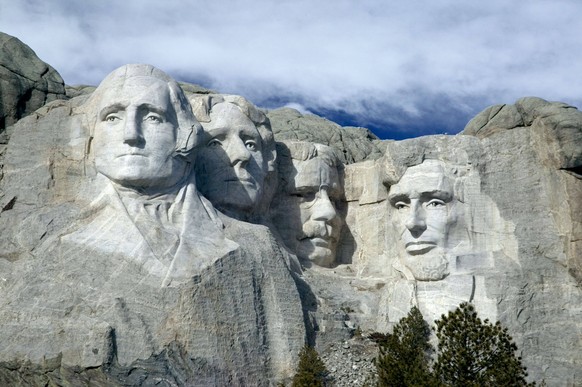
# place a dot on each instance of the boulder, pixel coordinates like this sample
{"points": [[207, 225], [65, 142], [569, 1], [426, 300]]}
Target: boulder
{"points": [[26, 82]]}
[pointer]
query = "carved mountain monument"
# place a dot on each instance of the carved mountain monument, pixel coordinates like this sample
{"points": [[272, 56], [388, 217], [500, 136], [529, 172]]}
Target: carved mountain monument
{"points": [[153, 233]]}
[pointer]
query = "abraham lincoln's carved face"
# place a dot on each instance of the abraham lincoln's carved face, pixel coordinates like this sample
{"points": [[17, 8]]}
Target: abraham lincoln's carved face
{"points": [[423, 203]]}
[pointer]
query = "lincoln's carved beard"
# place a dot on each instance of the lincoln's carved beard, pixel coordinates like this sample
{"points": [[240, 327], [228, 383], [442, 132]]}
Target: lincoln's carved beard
{"points": [[432, 266]]}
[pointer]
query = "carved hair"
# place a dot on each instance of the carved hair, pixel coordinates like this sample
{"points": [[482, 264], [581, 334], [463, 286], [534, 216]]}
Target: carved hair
{"points": [[454, 174], [287, 151], [460, 157], [303, 151], [188, 129]]}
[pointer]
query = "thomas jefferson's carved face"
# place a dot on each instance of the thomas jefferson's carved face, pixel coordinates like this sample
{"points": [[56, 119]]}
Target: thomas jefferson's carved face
{"points": [[231, 169], [423, 200], [135, 135], [306, 214]]}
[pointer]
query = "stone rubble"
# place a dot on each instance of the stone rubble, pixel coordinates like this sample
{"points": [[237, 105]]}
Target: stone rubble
{"points": [[351, 362]]}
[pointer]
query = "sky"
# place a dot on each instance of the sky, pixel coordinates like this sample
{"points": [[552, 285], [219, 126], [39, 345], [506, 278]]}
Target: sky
{"points": [[400, 68]]}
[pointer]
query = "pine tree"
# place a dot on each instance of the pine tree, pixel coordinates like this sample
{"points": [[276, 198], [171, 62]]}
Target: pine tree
{"points": [[476, 353], [404, 354], [311, 371]]}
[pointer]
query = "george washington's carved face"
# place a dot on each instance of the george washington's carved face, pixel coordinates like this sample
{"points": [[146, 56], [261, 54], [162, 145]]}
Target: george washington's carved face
{"points": [[135, 135], [423, 204]]}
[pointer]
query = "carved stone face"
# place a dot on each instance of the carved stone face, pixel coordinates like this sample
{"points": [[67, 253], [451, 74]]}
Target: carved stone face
{"points": [[231, 169], [306, 214], [135, 135], [423, 200]]}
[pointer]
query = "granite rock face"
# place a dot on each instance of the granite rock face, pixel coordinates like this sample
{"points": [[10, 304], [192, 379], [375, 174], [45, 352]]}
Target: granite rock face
{"points": [[354, 144], [27, 83], [306, 208], [504, 198], [127, 275], [156, 233], [555, 136]]}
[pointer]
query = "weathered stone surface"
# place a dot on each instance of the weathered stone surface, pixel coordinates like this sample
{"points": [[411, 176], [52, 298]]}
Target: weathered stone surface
{"points": [[236, 163], [229, 325], [555, 138], [78, 90], [89, 293], [306, 208], [351, 362], [118, 272], [26, 82], [514, 245], [354, 144]]}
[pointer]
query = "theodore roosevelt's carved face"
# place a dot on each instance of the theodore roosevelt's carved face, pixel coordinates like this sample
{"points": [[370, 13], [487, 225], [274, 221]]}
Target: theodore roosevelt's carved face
{"points": [[306, 213], [231, 168], [423, 203], [134, 138]]}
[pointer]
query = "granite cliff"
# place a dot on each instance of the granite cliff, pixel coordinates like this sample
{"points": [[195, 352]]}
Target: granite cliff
{"points": [[213, 262]]}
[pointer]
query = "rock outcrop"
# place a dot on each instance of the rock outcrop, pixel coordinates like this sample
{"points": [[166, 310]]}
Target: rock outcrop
{"points": [[117, 271], [553, 133], [354, 144], [513, 247], [105, 283], [27, 82]]}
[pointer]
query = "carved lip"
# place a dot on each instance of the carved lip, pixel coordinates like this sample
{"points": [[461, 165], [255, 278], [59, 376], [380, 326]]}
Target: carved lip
{"points": [[320, 242], [419, 247], [243, 180], [131, 154]]}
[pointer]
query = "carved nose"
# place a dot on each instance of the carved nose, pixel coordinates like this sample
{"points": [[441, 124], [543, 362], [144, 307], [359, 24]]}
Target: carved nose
{"points": [[238, 152], [323, 209], [416, 222], [132, 134]]}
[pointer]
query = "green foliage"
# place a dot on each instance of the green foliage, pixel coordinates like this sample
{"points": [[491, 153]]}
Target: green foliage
{"points": [[404, 354], [311, 371], [476, 353]]}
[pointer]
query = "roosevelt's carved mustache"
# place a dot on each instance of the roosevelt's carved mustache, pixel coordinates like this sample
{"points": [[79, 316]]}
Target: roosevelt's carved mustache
{"points": [[315, 230]]}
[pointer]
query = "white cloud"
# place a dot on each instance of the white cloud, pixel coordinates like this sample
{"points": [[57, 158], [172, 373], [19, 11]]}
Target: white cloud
{"points": [[329, 54], [297, 106]]}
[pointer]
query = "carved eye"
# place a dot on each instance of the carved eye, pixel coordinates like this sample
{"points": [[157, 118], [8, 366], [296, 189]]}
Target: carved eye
{"points": [[213, 143], [435, 203], [111, 118], [251, 145], [304, 196], [153, 118], [401, 205]]}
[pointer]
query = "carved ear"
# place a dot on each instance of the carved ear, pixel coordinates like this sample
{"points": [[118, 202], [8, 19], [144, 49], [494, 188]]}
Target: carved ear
{"points": [[271, 156], [269, 145]]}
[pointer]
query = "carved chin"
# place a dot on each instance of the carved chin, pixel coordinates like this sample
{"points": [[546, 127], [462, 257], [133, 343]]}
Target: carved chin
{"points": [[428, 267], [318, 255]]}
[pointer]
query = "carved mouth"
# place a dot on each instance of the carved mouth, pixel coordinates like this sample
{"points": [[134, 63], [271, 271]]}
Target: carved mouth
{"points": [[320, 242], [131, 155], [244, 182], [243, 179], [420, 247]]}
